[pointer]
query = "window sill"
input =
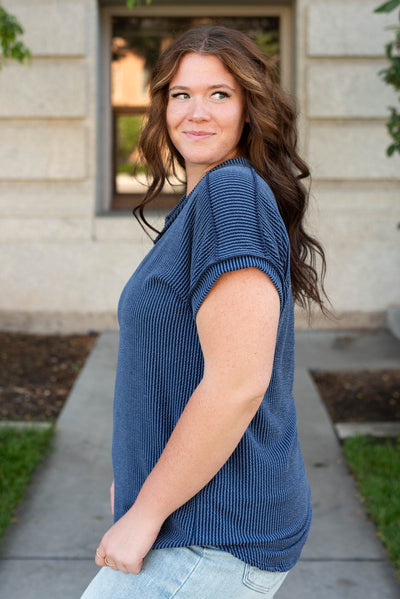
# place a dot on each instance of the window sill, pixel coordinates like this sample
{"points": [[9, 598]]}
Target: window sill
{"points": [[128, 201]]}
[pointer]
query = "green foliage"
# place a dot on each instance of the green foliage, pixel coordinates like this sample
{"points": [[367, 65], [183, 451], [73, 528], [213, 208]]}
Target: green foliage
{"points": [[128, 131], [388, 6], [10, 30], [132, 3], [376, 467], [393, 126], [391, 76], [20, 452], [268, 42], [129, 127]]}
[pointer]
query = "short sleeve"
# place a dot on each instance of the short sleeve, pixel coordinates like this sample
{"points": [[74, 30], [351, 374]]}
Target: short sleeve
{"points": [[236, 225]]}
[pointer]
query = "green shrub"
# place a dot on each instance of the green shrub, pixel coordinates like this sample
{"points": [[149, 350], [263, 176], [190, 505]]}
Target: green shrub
{"points": [[376, 467], [20, 452]]}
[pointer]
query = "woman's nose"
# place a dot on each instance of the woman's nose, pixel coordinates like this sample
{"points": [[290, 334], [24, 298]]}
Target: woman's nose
{"points": [[198, 110]]}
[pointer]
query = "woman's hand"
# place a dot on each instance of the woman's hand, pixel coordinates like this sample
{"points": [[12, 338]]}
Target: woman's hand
{"points": [[127, 542]]}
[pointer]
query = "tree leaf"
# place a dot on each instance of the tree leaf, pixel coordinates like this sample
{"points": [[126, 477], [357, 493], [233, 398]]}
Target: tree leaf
{"points": [[388, 6], [10, 29]]}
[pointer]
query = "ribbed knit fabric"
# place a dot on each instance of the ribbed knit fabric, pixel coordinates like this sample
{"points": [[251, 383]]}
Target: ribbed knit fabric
{"points": [[257, 507]]}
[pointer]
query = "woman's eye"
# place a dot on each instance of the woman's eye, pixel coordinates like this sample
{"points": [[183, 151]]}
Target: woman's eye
{"points": [[220, 95], [180, 95]]}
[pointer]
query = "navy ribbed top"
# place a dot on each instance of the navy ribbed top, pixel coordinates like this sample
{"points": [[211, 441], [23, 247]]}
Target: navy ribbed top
{"points": [[257, 507]]}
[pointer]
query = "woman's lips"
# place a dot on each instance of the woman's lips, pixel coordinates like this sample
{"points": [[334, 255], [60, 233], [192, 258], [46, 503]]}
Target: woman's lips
{"points": [[198, 134]]}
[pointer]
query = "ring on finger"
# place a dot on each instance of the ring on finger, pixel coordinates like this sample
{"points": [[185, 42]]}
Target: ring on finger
{"points": [[109, 562]]}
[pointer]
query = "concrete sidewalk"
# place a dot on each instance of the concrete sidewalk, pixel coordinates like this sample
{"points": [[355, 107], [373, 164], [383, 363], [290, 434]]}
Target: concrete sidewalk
{"points": [[48, 554]]}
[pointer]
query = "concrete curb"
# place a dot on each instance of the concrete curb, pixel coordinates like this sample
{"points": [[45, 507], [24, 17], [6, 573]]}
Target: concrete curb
{"points": [[345, 430], [22, 425]]}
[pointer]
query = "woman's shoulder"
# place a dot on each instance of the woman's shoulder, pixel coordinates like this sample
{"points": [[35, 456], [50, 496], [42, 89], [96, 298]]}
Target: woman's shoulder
{"points": [[237, 174], [235, 183], [232, 170], [237, 193]]}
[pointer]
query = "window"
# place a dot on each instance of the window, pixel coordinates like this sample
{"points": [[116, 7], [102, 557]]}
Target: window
{"points": [[135, 44]]}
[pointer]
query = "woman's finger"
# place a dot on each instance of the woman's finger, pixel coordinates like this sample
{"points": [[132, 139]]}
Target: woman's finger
{"points": [[110, 563], [100, 556]]}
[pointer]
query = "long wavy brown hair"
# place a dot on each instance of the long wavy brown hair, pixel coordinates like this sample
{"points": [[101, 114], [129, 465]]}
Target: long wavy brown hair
{"points": [[268, 142]]}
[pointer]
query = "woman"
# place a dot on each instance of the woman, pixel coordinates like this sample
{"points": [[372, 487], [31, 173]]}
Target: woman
{"points": [[211, 496]]}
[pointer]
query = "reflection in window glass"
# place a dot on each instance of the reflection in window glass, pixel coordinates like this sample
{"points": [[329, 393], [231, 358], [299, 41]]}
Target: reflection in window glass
{"points": [[136, 45]]}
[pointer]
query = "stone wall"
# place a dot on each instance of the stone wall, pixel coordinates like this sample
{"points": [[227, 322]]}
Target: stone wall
{"points": [[63, 262], [356, 191], [54, 272]]}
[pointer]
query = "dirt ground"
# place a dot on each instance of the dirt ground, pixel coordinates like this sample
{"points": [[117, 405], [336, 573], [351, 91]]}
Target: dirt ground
{"points": [[360, 396], [38, 371]]}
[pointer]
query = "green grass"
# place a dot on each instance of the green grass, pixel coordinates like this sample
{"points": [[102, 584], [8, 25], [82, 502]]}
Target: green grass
{"points": [[376, 467], [20, 452]]}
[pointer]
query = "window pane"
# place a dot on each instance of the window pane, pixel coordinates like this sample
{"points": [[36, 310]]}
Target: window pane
{"points": [[136, 45], [127, 130]]}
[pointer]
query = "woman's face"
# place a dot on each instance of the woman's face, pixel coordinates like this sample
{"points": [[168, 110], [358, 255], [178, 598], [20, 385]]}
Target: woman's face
{"points": [[205, 113]]}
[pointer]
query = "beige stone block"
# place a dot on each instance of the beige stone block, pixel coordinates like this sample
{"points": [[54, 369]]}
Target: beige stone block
{"points": [[351, 150], [46, 88], [45, 228], [350, 89], [47, 198], [117, 227], [373, 197], [51, 27], [360, 276], [361, 227], [362, 250], [347, 28], [358, 225], [42, 150], [68, 276]]}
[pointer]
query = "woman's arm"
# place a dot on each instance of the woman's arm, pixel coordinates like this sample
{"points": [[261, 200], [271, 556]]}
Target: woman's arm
{"points": [[237, 325]]}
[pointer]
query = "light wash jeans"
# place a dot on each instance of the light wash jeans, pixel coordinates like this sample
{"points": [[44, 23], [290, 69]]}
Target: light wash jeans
{"points": [[187, 573]]}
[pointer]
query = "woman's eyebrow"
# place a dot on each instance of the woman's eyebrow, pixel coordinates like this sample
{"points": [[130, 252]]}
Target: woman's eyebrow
{"points": [[217, 86], [222, 85]]}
